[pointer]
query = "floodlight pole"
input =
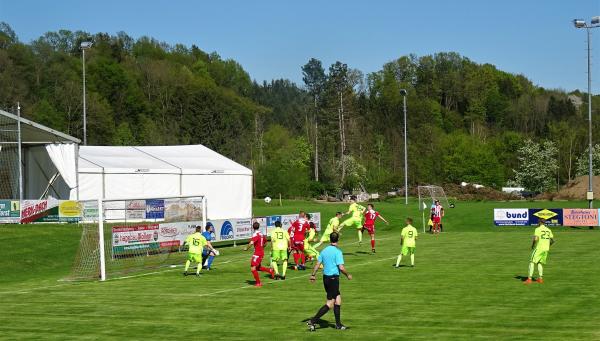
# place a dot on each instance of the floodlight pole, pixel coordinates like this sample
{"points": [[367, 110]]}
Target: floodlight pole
{"points": [[403, 93], [579, 23], [84, 46]]}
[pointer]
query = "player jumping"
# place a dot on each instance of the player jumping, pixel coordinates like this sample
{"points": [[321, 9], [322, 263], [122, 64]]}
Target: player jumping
{"points": [[280, 243], [309, 250], [437, 212], [332, 226], [408, 242], [258, 241], [542, 239], [370, 216], [297, 234], [356, 219]]}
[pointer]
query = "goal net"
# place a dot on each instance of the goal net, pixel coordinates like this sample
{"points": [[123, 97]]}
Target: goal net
{"points": [[124, 237], [427, 197]]}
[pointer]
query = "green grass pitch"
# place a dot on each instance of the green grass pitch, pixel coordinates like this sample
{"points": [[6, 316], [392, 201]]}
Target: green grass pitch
{"points": [[465, 286]]}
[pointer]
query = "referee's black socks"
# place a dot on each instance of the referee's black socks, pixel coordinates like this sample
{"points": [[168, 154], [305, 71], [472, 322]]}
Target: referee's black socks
{"points": [[324, 309], [336, 312]]}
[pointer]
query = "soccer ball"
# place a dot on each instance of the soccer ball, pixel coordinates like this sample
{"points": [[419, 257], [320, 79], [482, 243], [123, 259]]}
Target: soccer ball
{"points": [[268, 200], [217, 252]]}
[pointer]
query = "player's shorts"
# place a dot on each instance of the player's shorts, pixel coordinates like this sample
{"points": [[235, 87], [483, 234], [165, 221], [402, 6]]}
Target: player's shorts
{"points": [[298, 245], [437, 220], [332, 286], [539, 256], [310, 251], [370, 229], [256, 260], [408, 250], [277, 255], [356, 222], [194, 257]]}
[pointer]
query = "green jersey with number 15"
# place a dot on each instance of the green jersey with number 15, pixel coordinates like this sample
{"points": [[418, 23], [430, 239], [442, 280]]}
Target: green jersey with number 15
{"points": [[544, 235]]}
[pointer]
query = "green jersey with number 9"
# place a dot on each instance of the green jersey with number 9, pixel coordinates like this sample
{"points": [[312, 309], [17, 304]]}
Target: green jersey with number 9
{"points": [[409, 236], [544, 235]]}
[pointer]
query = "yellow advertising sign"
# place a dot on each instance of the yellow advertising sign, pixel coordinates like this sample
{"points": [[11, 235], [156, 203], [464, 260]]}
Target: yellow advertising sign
{"points": [[545, 214], [69, 209]]}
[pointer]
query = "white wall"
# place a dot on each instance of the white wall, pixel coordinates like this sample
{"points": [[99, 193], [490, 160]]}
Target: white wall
{"points": [[228, 196]]}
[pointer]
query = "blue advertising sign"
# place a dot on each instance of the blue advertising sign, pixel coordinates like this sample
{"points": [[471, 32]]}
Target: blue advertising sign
{"points": [[553, 216], [155, 209]]}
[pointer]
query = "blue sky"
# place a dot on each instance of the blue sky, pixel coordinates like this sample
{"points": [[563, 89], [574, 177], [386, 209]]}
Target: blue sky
{"points": [[272, 39]]}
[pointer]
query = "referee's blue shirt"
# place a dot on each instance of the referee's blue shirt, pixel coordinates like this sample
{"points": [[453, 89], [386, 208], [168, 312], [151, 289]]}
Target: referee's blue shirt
{"points": [[331, 257]]}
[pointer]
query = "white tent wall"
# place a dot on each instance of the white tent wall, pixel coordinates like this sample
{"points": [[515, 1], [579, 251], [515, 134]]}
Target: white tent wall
{"points": [[165, 171], [228, 196], [38, 170]]}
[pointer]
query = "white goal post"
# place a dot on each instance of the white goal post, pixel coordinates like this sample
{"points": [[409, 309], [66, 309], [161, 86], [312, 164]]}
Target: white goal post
{"points": [[427, 195]]}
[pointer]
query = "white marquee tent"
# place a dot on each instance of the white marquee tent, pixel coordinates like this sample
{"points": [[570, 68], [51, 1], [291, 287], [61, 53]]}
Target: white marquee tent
{"points": [[163, 171]]}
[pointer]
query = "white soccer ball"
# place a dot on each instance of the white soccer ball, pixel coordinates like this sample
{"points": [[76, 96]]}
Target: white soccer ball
{"points": [[217, 252], [268, 200]]}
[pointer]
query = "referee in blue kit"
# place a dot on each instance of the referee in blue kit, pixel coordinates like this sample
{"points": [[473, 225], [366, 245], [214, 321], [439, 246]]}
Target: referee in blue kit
{"points": [[333, 263]]}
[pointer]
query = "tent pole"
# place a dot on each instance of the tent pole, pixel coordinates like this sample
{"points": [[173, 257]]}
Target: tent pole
{"points": [[20, 152], [76, 170]]}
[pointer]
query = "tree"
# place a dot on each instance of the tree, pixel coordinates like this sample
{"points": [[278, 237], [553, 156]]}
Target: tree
{"points": [[314, 79], [583, 161], [537, 165]]}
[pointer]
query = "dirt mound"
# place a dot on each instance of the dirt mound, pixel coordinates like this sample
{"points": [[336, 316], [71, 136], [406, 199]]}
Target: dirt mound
{"points": [[577, 188]]}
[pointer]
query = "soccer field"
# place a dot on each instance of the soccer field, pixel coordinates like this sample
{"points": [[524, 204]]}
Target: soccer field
{"points": [[466, 285]]}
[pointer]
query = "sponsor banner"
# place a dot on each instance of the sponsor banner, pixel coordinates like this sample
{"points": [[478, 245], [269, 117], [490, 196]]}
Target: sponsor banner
{"points": [[135, 238], [242, 228], [580, 217], [69, 211], [183, 209], [287, 220], [155, 209], [263, 224], [89, 211], [511, 216], [171, 233], [553, 216], [271, 221], [135, 209], [10, 211], [316, 219], [44, 211]]}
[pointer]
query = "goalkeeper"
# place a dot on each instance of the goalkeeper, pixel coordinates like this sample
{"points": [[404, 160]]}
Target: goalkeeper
{"points": [[356, 219], [196, 243], [208, 255]]}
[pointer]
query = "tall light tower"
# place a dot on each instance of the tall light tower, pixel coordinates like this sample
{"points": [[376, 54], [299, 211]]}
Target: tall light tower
{"points": [[580, 23], [403, 93], [84, 46]]}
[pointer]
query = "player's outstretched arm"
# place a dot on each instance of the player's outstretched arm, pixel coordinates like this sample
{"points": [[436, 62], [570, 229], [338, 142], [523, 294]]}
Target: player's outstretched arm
{"points": [[343, 270], [382, 218], [248, 246]]}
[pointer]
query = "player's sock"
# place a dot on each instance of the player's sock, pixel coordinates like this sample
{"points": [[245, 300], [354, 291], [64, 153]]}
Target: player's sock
{"points": [[263, 269], [274, 265], [210, 260], [530, 270], [285, 265], [256, 278], [199, 268], [398, 260], [359, 236], [336, 312], [324, 309], [187, 265], [540, 270], [372, 243], [303, 258], [296, 256], [412, 259]]}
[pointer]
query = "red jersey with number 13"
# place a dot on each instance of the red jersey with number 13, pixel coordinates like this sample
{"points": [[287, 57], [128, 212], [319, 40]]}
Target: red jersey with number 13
{"points": [[370, 217], [259, 243]]}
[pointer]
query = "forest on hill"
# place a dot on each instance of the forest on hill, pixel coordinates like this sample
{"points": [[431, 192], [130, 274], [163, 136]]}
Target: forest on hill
{"points": [[339, 129]]}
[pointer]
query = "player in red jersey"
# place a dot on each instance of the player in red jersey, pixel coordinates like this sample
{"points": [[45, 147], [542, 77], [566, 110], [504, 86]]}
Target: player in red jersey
{"points": [[259, 242], [437, 212], [370, 216], [297, 235]]}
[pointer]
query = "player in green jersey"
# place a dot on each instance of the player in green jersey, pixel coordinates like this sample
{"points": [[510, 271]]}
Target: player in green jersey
{"points": [[408, 242], [280, 244], [310, 250], [196, 243], [540, 246], [332, 226], [355, 220]]}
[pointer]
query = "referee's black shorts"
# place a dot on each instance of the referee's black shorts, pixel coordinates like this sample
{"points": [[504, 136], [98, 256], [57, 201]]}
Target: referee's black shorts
{"points": [[332, 286]]}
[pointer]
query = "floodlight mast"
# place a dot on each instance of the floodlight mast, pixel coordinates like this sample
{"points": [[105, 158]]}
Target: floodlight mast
{"points": [[85, 45], [580, 23]]}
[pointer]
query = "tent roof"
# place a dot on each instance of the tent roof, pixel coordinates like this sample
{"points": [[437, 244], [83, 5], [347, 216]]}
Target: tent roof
{"points": [[189, 159], [31, 133]]}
